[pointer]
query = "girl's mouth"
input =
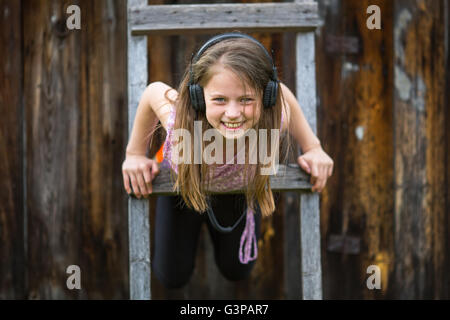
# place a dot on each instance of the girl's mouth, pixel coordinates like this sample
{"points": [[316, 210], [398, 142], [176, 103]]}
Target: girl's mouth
{"points": [[232, 126]]}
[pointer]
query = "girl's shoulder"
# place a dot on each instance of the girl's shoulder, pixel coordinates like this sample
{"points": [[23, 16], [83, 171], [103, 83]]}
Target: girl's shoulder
{"points": [[165, 106]]}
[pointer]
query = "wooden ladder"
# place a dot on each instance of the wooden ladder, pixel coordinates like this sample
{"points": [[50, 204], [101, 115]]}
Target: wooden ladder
{"points": [[300, 16]]}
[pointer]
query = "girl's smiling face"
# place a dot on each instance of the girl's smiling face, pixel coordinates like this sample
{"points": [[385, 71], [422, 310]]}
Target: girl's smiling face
{"points": [[229, 109]]}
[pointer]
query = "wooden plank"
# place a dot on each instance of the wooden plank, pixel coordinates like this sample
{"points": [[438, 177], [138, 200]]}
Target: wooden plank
{"points": [[290, 200], [309, 202], [12, 196], [291, 244], [139, 246], [260, 17], [421, 218], [103, 125], [138, 210], [162, 68], [306, 77], [310, 246], [288, 178], [74, 88], [52, 123], [356, 128], [447, 112]]}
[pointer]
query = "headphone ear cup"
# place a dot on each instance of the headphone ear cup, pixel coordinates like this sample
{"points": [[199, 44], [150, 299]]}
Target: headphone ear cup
{"points": [[197, 98], [193, 97], [270, 94]]}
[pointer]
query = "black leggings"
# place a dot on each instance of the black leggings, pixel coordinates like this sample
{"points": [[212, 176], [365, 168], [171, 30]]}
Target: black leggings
{"points": [[177, 229]]}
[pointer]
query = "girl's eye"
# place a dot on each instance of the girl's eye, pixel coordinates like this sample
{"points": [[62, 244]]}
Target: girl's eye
{"points": [[244, 100]]}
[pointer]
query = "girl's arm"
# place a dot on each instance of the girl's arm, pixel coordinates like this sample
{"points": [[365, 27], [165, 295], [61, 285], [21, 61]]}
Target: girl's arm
{"points": [[153, 107], [298, 125], [138, 171], [314, 160]]}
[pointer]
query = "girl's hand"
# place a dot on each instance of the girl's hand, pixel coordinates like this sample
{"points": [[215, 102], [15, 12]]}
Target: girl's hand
{"points": [[317, 163], [140, 170]]}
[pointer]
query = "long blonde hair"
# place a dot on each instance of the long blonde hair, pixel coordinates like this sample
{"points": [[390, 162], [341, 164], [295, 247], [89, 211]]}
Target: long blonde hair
{"points": [[251, 64]]}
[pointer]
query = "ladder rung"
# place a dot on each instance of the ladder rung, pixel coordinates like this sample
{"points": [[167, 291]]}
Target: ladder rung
{"points": [[258, 17], [288, 178]]}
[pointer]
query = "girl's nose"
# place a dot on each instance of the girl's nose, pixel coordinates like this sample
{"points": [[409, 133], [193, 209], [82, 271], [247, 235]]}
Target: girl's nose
{"points": [[233, 110]]}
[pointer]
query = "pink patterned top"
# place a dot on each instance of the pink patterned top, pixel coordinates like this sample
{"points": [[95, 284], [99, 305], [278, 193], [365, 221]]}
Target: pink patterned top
{"points": [[224, 177]]}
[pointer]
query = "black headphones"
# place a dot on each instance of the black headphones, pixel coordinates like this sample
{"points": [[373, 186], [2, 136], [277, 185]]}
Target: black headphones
{"points": [[196, 91]]}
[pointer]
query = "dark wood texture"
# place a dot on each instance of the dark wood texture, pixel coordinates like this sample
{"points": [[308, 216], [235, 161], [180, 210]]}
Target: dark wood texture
{"points": [[63, 132], [381, 118], [74, 84], [421, 216], [355, 126], [12, 197]]}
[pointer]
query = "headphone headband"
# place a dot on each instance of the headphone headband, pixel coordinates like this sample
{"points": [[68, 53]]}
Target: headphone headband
{"points": [[225, 36]]}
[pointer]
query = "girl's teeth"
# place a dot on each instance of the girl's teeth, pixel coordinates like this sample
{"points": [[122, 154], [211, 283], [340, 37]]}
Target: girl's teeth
{"points": [[230, 125]]}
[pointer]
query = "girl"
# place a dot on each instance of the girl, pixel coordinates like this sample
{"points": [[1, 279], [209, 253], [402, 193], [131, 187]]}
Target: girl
{"points": [[231, 87]]}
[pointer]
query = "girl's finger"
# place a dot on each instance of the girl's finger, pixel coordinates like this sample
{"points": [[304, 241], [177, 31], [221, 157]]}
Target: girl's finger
{"points": [[155, 169], [315, 171], [323, 173], [324, 177], [314, 176], [141, 183], [320, 173], [314, 182], [323, 182], [147, 175], [330, 171], [148, 179], [304, 165], [134, 184], [318, 185], [126, 182]]}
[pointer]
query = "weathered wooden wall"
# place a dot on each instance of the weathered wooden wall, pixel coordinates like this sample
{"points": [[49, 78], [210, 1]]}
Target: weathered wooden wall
{"points": [[355, 112], [421, 215], [383, 116], [72, 207], [12, 219]]}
